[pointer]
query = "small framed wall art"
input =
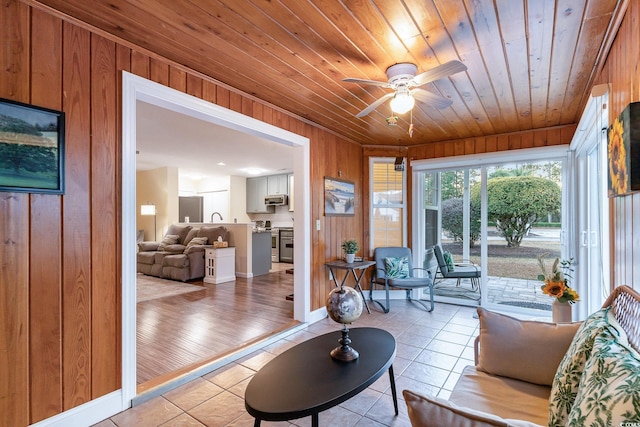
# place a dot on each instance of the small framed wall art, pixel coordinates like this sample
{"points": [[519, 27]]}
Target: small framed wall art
{"points": [[339, 197], [31, 148], [623, 152]]}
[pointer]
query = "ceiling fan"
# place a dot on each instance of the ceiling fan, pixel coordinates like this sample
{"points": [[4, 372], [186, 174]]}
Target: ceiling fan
{"points": [[406, 86]]}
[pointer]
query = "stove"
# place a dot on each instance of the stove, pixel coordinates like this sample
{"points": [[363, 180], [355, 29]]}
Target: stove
{"points": [[286, 244], [275, 245]]}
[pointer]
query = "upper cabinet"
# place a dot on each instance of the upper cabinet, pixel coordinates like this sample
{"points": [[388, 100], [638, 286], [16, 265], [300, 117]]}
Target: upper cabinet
{"points": [[260, 187], [256, 192], [278, 184]]}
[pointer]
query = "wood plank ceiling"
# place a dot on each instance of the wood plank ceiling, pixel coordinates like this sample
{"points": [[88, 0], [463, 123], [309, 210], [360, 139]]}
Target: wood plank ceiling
{"points": [[530, 62]]}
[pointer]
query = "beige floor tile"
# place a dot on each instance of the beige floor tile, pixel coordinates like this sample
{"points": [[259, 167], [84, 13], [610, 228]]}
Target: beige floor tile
{"points": [[445, 347], [229, 375], [105, 423], [361, 403], [219, 410], [384, 413], [183, 420], [240, 388], [257, 361], [440, 360], [149, 414], [426, 373], [193, 393]]}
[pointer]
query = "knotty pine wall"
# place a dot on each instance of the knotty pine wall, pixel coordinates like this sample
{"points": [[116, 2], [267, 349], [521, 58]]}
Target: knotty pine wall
{"points": [[622, 71], [60, 328]]}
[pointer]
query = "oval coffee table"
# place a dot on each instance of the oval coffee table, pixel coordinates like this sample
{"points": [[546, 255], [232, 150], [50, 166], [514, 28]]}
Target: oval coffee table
{"points": [[305, 380]]}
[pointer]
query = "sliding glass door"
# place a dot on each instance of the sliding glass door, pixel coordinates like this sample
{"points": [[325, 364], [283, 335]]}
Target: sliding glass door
{"points": [[497, 215]]}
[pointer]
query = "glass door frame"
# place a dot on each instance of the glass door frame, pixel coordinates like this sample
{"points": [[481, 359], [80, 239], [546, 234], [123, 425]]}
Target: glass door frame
{"points": [[482, 161], [592, 228]]}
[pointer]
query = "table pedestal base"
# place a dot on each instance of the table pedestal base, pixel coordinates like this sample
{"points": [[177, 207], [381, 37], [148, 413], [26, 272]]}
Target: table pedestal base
{"points": [[344, 352]]}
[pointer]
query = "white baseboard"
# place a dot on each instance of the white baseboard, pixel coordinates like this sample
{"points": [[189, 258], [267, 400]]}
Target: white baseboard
{"points": [[87, 414]]}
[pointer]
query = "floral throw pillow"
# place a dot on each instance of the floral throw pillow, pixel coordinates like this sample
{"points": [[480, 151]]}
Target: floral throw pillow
{"points": [[448, 259], [567, 379], [397, 267], [609, 392]]}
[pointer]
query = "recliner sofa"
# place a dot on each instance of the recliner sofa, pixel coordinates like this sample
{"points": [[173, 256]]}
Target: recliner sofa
{"points": [[178, 256]]}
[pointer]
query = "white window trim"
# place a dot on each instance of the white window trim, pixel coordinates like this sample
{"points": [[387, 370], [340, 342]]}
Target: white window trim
{"points": [[476, 160]]}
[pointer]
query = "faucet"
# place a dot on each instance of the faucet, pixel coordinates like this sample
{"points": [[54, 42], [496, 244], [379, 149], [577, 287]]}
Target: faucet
{"points": [[218, 213]]}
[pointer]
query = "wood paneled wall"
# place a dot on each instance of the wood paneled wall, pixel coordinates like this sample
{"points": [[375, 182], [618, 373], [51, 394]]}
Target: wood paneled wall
{"points": [[60, 329], [622, 71]]}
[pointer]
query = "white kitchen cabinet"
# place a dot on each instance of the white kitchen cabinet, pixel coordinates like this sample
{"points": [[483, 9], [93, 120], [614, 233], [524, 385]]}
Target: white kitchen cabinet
{"points": [[257, 190], [219, 265], [278, 184]]}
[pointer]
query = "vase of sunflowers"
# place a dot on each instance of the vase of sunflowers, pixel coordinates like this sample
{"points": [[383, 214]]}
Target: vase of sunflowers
{"points": [[556, 284]]}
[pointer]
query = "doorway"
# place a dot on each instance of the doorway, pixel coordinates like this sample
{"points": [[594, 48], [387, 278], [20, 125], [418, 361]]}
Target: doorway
{"points": [[139, 89]]}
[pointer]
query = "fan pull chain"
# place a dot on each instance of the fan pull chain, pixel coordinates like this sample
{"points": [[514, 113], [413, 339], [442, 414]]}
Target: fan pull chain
{"points": [[411, 126]]}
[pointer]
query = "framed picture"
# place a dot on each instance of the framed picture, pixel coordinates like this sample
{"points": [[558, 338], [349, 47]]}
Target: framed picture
{"points": [[623, 152], [31, 148], [339, 197]]}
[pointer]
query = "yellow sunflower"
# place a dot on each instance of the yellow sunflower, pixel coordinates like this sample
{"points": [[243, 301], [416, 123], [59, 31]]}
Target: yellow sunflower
{"points": [[573, 295], [617, 158], [553, 288]]}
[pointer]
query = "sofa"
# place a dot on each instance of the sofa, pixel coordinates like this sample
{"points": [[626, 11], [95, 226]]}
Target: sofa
{"points": [[530, 373], [180, 255]]}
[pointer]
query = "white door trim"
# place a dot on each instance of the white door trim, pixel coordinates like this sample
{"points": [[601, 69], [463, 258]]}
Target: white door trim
{"points": [[135, 88]]}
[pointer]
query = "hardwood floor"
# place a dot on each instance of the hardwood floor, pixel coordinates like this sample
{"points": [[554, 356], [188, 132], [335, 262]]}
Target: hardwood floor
{"points": [[188, 329]]}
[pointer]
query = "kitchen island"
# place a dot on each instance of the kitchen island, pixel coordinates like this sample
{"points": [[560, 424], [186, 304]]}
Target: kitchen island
{"points": [[241, 237], [261, 252]]}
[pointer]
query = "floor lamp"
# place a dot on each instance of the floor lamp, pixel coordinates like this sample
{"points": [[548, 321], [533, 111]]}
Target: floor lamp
{"points": [[147, 210]]}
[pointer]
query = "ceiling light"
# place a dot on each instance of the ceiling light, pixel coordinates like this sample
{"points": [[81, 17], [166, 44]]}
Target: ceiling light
{"points": [[402, 102], [253, 171], [221, 163]]}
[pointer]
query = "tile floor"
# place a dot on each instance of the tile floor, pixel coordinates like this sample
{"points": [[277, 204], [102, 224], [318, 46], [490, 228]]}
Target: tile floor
{"points": [[432, 349]]}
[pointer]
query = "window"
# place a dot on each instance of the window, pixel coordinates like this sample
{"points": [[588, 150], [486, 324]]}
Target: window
{"points": [[388, 209]]}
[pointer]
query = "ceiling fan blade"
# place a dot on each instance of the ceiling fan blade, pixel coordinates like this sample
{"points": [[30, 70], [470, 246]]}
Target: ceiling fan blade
{"points": [[444, 70], [375, 104], [366, 82], [431, 98]]}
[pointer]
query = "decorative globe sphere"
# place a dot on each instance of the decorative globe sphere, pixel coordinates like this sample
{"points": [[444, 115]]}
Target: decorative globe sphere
{"points": [[344, 304]]}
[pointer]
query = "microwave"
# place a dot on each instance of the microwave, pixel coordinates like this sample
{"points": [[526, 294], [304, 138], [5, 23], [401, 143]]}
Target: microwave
{"points": [[276, 200]]}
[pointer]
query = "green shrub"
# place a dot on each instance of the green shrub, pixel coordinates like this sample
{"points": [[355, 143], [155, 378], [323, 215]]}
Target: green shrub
{"points": [[452, 220]]}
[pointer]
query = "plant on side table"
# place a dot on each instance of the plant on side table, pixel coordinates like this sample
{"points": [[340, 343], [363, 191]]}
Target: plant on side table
{"points": [[350, 247]]}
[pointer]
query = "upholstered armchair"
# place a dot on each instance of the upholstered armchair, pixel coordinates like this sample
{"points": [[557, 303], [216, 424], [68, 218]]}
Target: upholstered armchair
{"points": [[394, 269]]}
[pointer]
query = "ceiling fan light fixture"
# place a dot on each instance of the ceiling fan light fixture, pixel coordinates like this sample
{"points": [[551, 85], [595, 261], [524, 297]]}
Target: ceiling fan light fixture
{"points": [[402, 102]]}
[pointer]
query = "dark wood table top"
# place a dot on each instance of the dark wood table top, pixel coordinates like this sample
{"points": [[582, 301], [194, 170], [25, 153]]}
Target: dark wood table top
{"points": [[343, 265], [305, 380]]}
